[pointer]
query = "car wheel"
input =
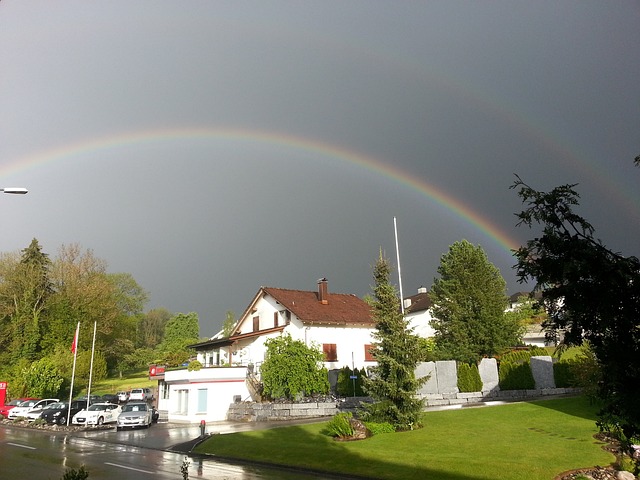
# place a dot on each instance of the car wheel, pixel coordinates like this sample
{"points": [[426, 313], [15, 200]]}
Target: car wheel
{"points": [[100, 420], [62, 421]]}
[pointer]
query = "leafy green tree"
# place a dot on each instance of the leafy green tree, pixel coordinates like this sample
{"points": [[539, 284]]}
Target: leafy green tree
{"points": [[392, 383], [23, 299], [527, 311], [469, 300], [590, 294], [42, 378], [151, 327], [292, 369], [229, 323], [180, 331]]}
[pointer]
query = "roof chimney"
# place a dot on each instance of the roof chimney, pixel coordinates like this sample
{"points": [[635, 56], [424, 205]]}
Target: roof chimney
{"points": [[422, 289], [323, 291]]}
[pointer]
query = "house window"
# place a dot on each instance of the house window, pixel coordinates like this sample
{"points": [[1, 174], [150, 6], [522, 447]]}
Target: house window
{"points": [[275, 319], [182, 404], [202, 400], [368, 356], [163, 390], [330, 352], [256, 324]]}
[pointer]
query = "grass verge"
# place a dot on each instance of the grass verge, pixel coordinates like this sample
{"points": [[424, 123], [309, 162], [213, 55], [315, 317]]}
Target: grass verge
{"points": [[523, 441]]}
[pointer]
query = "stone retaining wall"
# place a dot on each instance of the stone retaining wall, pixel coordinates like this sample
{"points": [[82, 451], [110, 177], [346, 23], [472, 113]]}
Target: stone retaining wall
{"points": [[261, 412], [267, 412]]}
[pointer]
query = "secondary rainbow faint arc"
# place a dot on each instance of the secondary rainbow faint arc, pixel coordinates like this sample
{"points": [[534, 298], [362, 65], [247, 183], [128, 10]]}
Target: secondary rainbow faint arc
{"points": [[442, 198]]}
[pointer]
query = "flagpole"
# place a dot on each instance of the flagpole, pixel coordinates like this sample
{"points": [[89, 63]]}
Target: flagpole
{"points": [[395, 229], [74, 349], [93, 347]]}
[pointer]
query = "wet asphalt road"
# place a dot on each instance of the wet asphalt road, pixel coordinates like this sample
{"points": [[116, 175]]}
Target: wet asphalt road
{"points": [[157, 452]]}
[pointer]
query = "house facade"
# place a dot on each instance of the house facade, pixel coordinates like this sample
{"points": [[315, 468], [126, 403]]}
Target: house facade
{"points": [[417, 311], [340, 325]]}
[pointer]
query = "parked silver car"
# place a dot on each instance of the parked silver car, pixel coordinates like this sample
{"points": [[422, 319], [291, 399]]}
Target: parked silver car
{"points": [[135, 414], [142, 394]]}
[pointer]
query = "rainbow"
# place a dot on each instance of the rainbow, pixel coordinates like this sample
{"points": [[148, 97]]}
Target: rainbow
{"points": [[433, 193]]}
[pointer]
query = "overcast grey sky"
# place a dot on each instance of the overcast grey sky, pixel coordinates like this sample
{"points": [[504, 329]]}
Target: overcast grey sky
{"points": [[211, 147]]}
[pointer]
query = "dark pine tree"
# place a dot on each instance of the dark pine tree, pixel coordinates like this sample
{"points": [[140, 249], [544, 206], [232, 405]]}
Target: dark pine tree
{"points": [[392, 383]]}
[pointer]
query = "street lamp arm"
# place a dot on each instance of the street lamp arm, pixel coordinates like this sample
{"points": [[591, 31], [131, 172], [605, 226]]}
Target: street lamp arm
{"points": [[15, 190]]}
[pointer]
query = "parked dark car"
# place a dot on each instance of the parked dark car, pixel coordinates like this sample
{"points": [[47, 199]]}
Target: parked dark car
{"points": [[109, 398], [92, 399], [59, 412]]}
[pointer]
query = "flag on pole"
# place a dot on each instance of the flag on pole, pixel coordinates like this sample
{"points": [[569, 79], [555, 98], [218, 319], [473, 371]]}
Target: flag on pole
{"points": [[74, 344]]}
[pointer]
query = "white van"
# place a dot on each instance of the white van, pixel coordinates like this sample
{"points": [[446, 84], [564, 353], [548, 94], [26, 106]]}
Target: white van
{"points": [[141, 394]]}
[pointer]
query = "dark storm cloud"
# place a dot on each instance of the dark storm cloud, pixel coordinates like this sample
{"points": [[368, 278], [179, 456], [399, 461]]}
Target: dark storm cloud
{"points": [[457, 95]]}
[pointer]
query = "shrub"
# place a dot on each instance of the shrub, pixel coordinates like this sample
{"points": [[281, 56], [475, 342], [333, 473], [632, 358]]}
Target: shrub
{"points": [[194, 366], [563, 373], [515, 376], [345, 385], [379, 428], [72, 474], [469, 378], [339, 426]]}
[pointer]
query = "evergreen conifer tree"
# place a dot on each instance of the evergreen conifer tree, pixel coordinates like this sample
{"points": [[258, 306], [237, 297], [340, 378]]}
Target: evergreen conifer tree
{"points": [[392, 383]]}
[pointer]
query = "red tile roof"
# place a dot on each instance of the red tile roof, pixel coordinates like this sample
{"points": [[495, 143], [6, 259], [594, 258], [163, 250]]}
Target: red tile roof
{"points": [[341, 309]]}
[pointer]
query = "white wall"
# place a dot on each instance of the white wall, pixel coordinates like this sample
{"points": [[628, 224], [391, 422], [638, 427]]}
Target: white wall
{"points": [[421, 323], [204, 394], [350, 342]]}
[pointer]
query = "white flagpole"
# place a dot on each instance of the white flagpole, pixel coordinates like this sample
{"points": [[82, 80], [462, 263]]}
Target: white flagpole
{"points": [[73, 373], [93, 347], [395, 229]]}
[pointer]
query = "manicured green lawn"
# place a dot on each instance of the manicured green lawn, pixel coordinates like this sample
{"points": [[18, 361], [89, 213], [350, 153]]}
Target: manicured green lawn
{"points": [[523, 441]]}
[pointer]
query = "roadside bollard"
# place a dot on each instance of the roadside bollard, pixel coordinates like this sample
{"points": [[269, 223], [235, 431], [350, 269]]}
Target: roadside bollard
{"points": [[203, 424]]}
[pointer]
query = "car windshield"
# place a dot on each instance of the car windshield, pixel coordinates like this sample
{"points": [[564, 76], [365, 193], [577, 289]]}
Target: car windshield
{"points": [[14, 403], [29, 403], [135, 408], [57, 405], [96, 407]]}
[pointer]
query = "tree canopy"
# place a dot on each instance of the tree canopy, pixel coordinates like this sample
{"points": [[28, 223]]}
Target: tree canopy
{"points": [[469, 301], [590, 294], [41, 301]]}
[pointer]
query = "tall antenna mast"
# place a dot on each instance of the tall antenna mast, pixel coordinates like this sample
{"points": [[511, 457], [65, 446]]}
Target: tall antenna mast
{"points": [[395, 229]]}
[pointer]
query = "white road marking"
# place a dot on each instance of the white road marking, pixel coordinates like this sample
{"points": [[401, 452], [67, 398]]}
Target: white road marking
{"points": [[21, 446], [129, 468]]}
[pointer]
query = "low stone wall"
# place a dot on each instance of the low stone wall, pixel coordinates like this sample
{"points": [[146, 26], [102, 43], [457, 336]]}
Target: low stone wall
{"points": [[264, 412], [449, 399], [268, 412]]}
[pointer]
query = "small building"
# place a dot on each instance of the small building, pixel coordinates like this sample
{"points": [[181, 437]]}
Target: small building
{"points": [[417, 311]]}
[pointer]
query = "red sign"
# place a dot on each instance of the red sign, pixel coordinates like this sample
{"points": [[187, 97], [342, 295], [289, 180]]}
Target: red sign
{"points": [[156, 371], [3, 392]]}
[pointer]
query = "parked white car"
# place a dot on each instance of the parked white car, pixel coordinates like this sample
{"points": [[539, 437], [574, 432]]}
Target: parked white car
{"points": [[97, 414], [31, 406], [36, 413], [141, 395], [123, 396]]}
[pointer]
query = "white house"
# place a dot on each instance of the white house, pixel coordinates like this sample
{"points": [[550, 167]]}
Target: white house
{"points": [[417, 311], [339, 324]]}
